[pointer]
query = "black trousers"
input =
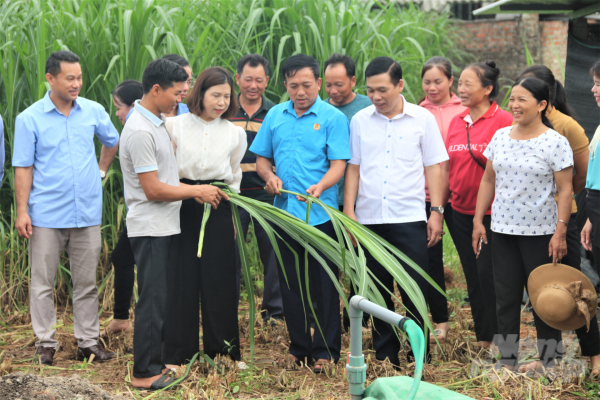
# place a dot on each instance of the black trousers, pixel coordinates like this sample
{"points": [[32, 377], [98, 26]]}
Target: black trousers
{"points": [[438, 303], [123, 265], [588, 340], [208, 281], [296, 304], [514, 258], [593, 209], [479, 274], [272, 305], [153, 257], [411, 239]]}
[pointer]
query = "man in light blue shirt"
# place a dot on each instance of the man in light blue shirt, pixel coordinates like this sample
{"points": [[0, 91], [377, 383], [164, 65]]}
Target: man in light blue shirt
{"points": [[309, 141], [1, 150], [59, 200]]}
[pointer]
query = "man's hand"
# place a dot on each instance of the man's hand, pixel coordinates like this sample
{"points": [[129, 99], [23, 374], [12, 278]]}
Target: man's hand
{"points": [[351, 215], [23, 225], [434, 229], [315, 190], [273, 185], [209, 194]]}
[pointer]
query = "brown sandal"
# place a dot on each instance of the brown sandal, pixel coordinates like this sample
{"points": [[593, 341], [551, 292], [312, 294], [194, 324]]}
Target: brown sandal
{"points": [[320, 365]]}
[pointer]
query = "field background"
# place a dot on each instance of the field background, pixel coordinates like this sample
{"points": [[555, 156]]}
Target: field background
{"points": [[115, 40]]}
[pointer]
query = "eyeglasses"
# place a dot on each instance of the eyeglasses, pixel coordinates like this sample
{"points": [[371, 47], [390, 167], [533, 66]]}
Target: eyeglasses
{"points": [[191, 82]]}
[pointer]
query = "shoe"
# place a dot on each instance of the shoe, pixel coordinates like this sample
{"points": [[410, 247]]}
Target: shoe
{"points": [[45, 355], [161, 383], [100, 354]]}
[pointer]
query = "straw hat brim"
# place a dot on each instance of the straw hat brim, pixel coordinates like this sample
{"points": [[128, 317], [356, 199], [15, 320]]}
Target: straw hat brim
{"points": [[561, 274]]}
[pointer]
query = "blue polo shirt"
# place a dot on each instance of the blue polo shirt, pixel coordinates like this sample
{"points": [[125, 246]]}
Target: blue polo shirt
{"points": [[302, 148], [67, 189]]}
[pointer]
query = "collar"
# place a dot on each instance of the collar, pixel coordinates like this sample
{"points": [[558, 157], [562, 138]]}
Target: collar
{"points": [[488, 114], [49, 105], [407, 109], [263, 105], [148, 115], [313, 109]]}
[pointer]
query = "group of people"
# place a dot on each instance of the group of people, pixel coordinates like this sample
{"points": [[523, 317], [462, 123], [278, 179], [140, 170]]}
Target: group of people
{"points": [[502, 181]]}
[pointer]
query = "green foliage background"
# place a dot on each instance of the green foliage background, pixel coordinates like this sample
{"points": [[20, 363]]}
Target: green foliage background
{"points": [[117, 38]]}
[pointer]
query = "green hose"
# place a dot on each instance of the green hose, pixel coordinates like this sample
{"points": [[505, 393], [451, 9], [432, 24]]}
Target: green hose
{"points": [[417, 342]]}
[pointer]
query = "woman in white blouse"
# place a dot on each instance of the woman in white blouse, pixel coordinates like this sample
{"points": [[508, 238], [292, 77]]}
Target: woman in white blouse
{"points": [[528, 163], [208, 148]]}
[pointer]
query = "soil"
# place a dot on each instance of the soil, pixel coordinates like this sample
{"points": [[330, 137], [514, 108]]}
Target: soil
{"points": [[35, 387]]}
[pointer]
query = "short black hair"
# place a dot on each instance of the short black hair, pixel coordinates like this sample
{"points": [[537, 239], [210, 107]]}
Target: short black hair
{"points": [[177, 59], [53, 62], [164, 73], [300, 61], [382, 65], [346, 61], [127, 92], [254, 60]]}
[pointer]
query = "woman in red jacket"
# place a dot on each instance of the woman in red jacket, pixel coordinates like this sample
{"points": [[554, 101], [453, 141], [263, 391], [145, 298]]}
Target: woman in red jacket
{"points": [[437, 80], [468, 136]]}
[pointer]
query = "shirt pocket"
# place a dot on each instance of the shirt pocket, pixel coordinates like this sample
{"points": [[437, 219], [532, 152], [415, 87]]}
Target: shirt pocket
{"points": [[408, 151], [86, 138]]}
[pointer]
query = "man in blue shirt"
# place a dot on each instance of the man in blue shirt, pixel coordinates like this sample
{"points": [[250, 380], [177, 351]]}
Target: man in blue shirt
{"points": [[308, 139], [59, 200]]}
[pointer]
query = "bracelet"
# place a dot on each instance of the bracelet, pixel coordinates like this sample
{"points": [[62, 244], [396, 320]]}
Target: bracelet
{"points": [[566, 223]]}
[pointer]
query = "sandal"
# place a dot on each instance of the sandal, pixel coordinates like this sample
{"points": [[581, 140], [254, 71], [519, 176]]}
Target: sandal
{"points": [[595, 373], [161, 383], [129, 328], [320, 365], [437, 333]]}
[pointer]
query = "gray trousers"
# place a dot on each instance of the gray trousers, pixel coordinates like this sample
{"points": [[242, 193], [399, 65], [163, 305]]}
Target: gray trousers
{"points": [[45, 247]]}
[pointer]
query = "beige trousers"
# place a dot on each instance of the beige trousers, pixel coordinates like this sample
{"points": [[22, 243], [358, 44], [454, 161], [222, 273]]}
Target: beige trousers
{"points": [[83, 247]]}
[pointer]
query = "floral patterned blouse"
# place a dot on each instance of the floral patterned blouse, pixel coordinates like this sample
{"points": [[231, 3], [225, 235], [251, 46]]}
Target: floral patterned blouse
{"points": [[525, 186]]}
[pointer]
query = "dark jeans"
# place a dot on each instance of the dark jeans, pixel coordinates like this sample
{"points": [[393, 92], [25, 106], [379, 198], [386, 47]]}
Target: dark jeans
{"points": [[153, 257], [123, 264], [438, 303], [588, 340], [514, 258], [296, 304], [207, 282], [272, 305], [479, 274], [411, 239], [593, 210]]}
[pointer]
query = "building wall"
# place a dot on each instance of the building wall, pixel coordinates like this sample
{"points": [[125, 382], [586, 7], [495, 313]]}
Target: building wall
{"points": [[502, 41]]}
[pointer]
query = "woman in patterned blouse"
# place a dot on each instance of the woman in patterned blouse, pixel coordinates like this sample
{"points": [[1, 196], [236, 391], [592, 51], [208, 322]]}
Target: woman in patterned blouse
{"points": [[528, 163]]}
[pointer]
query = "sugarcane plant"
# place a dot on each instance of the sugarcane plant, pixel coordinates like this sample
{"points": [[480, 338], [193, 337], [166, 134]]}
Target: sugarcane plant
{"points": [[348, 258]]}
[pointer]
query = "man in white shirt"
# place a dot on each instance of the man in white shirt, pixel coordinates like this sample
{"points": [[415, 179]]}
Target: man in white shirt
{"points": [[394, 146]]}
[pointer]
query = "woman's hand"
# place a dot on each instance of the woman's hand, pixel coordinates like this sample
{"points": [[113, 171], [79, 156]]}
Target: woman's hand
{"points": [[586, 235], [557, 248], [479, 235]]}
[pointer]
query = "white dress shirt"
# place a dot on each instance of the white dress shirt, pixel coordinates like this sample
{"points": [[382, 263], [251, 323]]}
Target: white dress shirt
{"points": [[208, 150], [392, 154]]}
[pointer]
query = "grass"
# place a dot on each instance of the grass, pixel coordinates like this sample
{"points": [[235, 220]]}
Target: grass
{"points": [[117, 38]]}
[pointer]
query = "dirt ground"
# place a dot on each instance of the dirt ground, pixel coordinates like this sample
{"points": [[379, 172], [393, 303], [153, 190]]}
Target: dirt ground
{"points": [[458, 365]]}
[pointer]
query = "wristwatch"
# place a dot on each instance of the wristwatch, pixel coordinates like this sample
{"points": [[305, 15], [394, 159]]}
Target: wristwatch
{"points": [[102, 174], [439, 209]]}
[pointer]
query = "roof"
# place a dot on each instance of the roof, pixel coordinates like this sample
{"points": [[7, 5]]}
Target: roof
{"points": [[574, 8]]}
